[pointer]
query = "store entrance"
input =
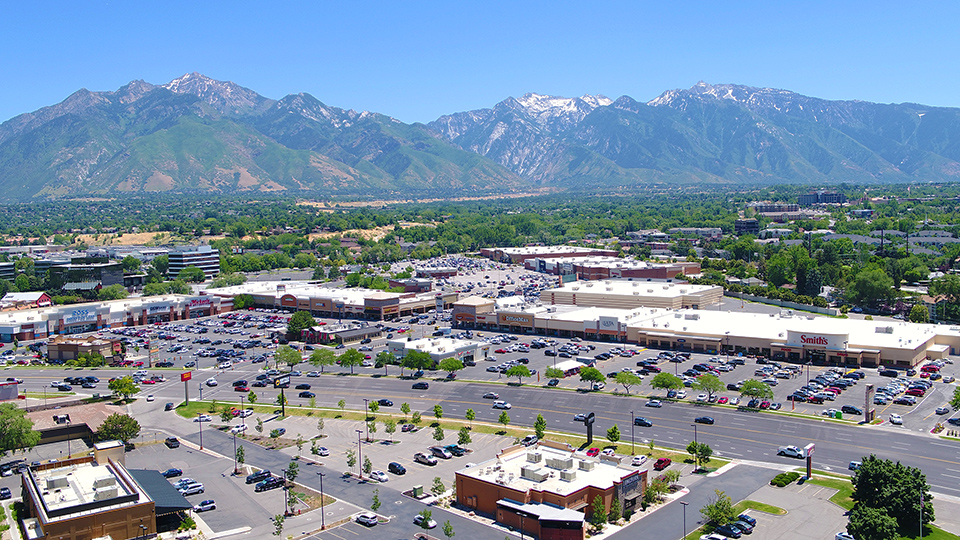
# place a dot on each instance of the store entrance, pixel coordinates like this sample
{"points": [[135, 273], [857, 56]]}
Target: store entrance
{"points": [[815, 356]]}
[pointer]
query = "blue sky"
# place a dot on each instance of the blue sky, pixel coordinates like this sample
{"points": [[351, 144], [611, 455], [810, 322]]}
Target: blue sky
{"points": [[416, 60]]}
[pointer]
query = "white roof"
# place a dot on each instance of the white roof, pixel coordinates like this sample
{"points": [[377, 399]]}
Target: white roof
{"points": [[661, 289]]}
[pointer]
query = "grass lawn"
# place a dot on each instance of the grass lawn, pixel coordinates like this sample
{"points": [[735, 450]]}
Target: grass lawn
{"points": [[744, 505], [844, 490]]}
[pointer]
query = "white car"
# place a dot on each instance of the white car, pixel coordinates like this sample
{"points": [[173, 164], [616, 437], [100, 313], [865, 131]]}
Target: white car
{"points": [[702, 398], [313, 374], [210, 382], [638, 460], [240, 428], [379, 476], [608, 452], [246, 413], [682, 394], [896, 419], [203, 418], [502, 405], [323, 451], [599, 386], [790, 451], [830, 412], [655, 403], [713, 536], [150, 397], [844, 536]]}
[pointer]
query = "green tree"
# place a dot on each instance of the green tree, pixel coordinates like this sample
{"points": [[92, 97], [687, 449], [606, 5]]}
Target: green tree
{"points": [[16, 430], [919, 314], [299, 322], [709, 383], [287, 355], [591, 375], [120, 427], [241, 456], [470, 415], [451, 365], [438, 411], [226, 415], [955, 400], [417, 360], [259, 426], [540, 426], [320, 426], [373, 407], [613, 434], [350, 358], [161, 263], [427, 515], [375, 502], [756, 389], [553, 373], [384, 359], [278, 525], [243, 301], [351, 458], [598, 512], [448, 530], [463, 436], [299, 443], [666, 381], [627, 379], [130, 264], [719, 510], [867, 523], [372, 426], [616, 510], [870, 286], [390, 426], [342, 404], [123, 386], [281, 399], [192, 274], [519, 371], [405, 409], [252, 397], [416, 418], [112, 292], [367, 465], [438, 433], [895, 488], [437, 488], [321, 358], [504, 419]]}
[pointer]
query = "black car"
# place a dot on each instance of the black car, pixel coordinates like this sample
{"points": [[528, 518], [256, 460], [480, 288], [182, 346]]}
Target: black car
{"points": [[729, 530], [258, 476], [746, 518], [396, 468], [385, 403], [270, 483], [643, 422], [170, 473], [303, 386], [420, 385], [65, 388], [703, 420], [259, 384], [850, 409], [5, 493], [306, 394], [172, 442], [241, 382], [168, 407]]}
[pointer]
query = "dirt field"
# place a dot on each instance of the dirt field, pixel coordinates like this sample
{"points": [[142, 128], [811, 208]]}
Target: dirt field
{"points": [[128, 239], [332, 206]]}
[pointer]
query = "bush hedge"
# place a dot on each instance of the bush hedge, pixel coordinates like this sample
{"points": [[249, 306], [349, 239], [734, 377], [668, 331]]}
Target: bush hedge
{"points": [[784, 479]]}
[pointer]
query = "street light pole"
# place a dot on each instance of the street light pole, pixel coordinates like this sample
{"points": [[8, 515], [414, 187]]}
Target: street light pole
{"points": [[359, 454], [200, 421], [235, 471], [696, 455], [322, 524], [684, 503], [633, 442], [285, 511], [366, 415]]}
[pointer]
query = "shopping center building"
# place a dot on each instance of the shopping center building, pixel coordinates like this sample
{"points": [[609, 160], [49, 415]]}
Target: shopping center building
{"points": [[39, 323], [591, 268], [519, 255], [342, 303], [466, 351]]}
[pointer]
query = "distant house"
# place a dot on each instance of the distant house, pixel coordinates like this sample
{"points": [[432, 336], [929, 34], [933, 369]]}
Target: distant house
{"points": [[25, 300]]}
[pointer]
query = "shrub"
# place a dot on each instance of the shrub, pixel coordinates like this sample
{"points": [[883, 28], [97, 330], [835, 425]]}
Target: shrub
{"points": [[784, 479]]}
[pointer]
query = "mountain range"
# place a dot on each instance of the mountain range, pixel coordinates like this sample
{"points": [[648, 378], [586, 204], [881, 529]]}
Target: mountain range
{"points": [[198, 135]]}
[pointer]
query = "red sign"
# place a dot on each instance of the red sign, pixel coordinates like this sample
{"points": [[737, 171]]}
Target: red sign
{"points": [[786, 350], [813, 340], [184, 377]]}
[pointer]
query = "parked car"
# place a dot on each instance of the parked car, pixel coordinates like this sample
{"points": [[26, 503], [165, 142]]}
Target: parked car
{"points": [[192, 489], [850, 409], [729, 530], [5, 493], [593, 452], [257, 476], [171, 473], [420, 521], [396, 468], [662, 464], [272, 482], [172, 442], [368, 519], [205, 506], [425, 459], [379, 476], [639, 460]]}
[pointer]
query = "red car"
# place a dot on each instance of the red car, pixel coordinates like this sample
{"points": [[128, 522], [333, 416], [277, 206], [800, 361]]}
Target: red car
{"points": [[593, 452], [723, 400], [765, 405], [662, 464], [501, 351], [148, 381], [241, 388]]}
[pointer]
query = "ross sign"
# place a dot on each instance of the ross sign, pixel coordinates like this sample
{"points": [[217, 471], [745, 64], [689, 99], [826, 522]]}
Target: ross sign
{"points": [[80, 316], [681, 340], [184, 377]]}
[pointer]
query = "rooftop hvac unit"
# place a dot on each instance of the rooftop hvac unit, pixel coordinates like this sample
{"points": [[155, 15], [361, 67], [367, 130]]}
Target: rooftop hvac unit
{"points": [[692, 316], [884, 330], [559, 463], [103, 494], [586, 465], [55, 482], [534, 457], [568, 475], [649, 291], [104, 481], [535, 474]]}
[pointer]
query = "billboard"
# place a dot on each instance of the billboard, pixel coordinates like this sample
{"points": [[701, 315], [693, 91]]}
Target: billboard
{"points": [[184, 377], [282, 380]]}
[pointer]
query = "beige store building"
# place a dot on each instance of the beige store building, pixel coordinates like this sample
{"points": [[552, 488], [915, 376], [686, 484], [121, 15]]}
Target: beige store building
{"points": [[798, 338], [630, 294]]}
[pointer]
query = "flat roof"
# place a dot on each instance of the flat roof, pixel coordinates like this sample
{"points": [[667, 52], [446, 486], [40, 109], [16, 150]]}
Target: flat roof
{"points": [[84, 488], [537, 250], [505, 469], [632, 287], [775, 327], [438, 345], [609, 262]]}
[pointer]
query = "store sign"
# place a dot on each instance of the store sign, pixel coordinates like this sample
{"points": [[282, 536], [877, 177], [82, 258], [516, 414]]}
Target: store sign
{"points": [[514, 319], [810, 339], [157, 309], [198, 302], [184, 377], [80, 316]]}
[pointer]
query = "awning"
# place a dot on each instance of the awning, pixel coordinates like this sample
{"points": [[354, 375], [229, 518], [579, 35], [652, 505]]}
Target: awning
{"points": [[166, 498]]}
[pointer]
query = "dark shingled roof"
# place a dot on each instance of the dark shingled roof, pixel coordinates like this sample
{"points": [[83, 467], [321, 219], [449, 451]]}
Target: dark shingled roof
{"points": [[166, 497]]}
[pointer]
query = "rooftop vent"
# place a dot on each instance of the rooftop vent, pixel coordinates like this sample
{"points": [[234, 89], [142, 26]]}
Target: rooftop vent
{"points": [[586, 465], [568, 475], [534, 457]]}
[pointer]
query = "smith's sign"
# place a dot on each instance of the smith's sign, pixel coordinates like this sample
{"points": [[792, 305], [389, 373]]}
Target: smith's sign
{"points": [[813, 340]]}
